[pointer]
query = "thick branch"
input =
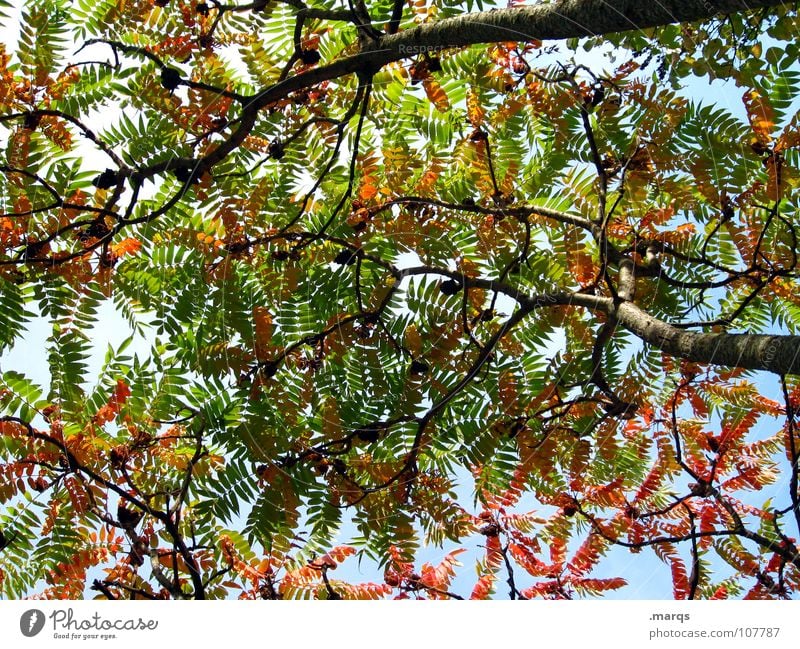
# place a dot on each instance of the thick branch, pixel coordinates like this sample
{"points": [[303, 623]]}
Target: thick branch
{"points": [[566, 19], [778, 354], [560, 20]]}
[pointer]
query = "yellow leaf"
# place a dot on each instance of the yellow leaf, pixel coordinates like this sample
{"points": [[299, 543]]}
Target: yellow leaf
{"points": [[413, 341], [475, 112]]}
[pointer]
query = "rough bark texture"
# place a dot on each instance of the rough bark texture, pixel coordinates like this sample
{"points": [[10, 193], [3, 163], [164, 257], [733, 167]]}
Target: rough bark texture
{"points": [[771, 353], [779, 354], [565, 19]]}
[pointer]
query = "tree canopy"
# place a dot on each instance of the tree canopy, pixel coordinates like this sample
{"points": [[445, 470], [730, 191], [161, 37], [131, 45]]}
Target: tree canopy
{"points": [[402, 279]]}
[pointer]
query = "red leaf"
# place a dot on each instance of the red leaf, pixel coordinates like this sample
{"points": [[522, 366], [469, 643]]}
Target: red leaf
{"points": [[121, 393], [525, 558], [334, 557], [599, 585], [608, 495], [732, 433], [494, 557], [483, 588], [440, 576], [680, 581], [587, 555], [698, 405], [651, 483], [558, 553]]}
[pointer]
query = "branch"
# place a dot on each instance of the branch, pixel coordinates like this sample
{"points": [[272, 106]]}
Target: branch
{"points": [[513, 593], [559, 20], [397, 15], [694, 578], [778, 354], [164, 518], [793, 453], [565, 19], [142, 51], [315, 13]]}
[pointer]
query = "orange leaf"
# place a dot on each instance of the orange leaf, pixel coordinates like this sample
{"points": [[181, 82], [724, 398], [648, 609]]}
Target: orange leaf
{"points": [[494, 555], [651, 483], [733, 432], [698, 404], [475, 113], [509, 397], [587, 555], [680, 581], [525, 558], [262, 324], [129, 246], [368, 189], [109, 411], [761, 116], [441, 576], [121, 393], [608, 495], [436, 94], [104, 415], [334, 557]]}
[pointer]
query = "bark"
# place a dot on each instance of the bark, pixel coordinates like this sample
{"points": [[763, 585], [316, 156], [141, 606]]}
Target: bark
{"points": [[778, 354], [555, 21], [770, 353], [564, 19], [559, 20]]}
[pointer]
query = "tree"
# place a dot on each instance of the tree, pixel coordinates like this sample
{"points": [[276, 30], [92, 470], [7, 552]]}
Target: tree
{"points": [[387, 255]]}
